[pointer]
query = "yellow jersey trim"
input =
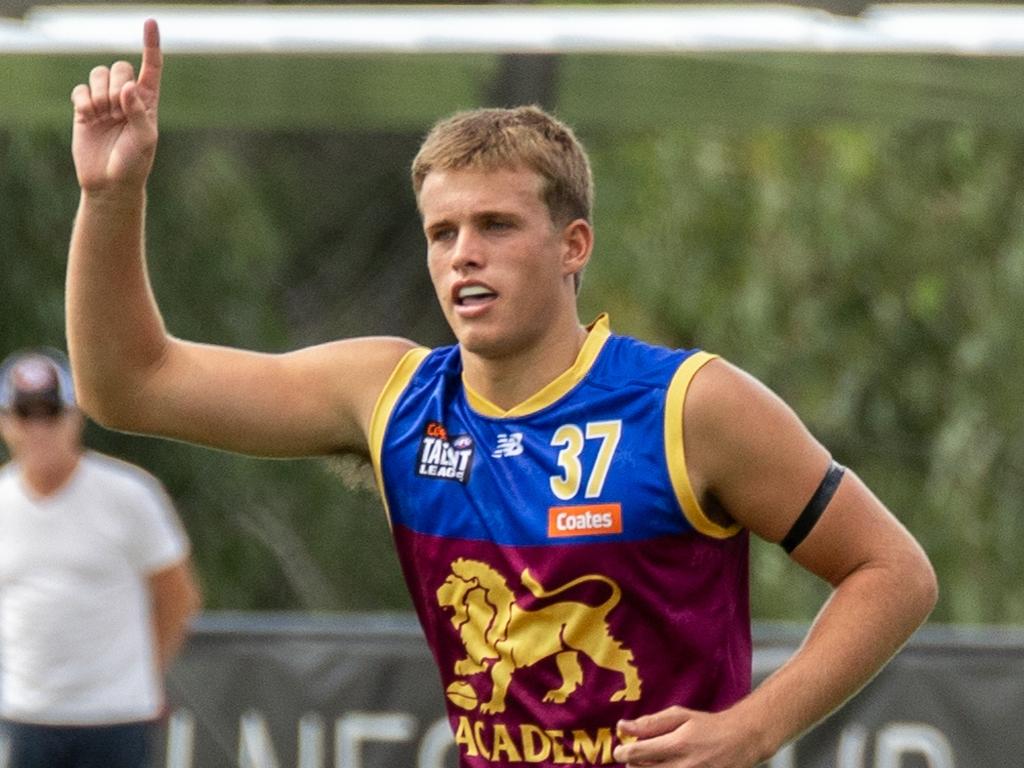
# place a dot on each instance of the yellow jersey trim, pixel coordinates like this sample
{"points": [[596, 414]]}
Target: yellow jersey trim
{"points": [[396, 384], [599, 331], [675, 451]]}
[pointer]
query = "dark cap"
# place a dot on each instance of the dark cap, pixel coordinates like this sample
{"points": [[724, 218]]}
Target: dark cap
{"points": [[37, 379]]}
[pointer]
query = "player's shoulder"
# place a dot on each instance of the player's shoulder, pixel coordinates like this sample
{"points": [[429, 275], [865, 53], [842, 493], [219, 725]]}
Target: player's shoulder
{"points": [[730, 414], [420, 370], [721, 386], [446, 360], [628, 360], [372, 351], [369, 359]]}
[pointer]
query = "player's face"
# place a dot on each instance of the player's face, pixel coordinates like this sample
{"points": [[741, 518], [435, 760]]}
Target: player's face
{"points": [[501, 268]]}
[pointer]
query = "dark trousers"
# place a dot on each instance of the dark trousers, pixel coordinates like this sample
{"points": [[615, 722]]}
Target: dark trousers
{"points": [[125, 745]]}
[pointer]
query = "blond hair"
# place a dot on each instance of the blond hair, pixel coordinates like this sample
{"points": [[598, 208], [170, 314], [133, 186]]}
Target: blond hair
{"points": [[492, 139]]}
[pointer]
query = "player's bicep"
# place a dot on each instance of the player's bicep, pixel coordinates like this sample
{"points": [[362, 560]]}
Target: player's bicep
{"points": [[855, 530], [313, 401], [748, 454]]}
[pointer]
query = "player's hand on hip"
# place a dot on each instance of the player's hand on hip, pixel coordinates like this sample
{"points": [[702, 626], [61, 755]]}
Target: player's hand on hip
{"points": [[115, 123], [685, 738]]}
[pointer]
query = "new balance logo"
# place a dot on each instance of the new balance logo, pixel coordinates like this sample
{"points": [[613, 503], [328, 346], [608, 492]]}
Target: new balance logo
{"points": [[508, 445]]}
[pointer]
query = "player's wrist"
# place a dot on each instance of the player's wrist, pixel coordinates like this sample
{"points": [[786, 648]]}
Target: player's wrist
{"points": [[763, 730], [113, 198]]}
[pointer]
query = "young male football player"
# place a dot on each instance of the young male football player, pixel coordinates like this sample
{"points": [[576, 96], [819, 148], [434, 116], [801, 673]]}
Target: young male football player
{"points": [[571, 507]]}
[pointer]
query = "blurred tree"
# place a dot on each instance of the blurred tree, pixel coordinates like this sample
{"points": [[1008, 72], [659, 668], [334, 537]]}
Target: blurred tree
{"points": [[870, 275]]}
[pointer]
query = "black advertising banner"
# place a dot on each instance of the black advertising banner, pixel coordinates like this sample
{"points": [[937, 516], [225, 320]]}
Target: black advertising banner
{"points": [[301, 693], [950, 698], [253, 691]]}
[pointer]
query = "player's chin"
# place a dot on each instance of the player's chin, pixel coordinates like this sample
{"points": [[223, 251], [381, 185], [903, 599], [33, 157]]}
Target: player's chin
{"points": [[486, 340], [480, 343], [468, 330]]}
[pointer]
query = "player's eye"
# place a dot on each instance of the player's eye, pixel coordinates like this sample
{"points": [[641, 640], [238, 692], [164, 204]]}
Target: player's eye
{"points": [[441, 234]]}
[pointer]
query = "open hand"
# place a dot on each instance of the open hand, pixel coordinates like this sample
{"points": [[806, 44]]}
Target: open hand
{"points": [[115, 125]]}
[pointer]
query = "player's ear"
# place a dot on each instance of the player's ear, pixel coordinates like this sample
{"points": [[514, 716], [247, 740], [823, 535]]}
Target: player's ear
{"points": [[577, 244]]}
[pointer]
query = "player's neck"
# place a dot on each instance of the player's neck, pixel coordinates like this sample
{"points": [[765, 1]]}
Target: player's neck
{"points": [[509, 380]]}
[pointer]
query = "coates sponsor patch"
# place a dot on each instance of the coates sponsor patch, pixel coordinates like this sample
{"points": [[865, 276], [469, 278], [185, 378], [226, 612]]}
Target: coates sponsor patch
{"points": [[444, 456], [584, 520]]}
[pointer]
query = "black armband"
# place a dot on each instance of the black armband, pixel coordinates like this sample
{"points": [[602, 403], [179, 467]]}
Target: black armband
{"points": [[819, 501]]}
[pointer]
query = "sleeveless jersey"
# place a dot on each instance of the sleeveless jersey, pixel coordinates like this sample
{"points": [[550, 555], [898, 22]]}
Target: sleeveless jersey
{"points": [[559, 562]]}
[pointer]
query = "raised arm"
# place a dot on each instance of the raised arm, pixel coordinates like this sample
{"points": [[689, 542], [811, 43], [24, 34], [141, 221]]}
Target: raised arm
{"points": [[750, 458], [130, 373]]}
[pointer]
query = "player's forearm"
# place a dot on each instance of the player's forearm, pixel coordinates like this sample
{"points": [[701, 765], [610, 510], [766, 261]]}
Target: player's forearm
{"points": [[115, 332], [869, 616]]}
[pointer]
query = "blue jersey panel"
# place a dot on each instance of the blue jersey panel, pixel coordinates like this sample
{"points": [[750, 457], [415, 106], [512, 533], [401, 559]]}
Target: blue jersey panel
{"points": [[588, 467]]}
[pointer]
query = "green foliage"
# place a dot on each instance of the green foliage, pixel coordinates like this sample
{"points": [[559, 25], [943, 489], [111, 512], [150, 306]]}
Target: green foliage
{"points": [[265, 534], [872, 278], [37, 203], [871, 275]]}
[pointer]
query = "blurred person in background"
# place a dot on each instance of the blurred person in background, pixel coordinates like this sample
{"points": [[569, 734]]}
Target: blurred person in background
{"points": [[96, 585], [581, 578]]}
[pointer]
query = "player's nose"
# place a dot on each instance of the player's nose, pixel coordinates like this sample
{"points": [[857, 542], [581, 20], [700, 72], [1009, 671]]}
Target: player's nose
{"points": [[468, 251]]}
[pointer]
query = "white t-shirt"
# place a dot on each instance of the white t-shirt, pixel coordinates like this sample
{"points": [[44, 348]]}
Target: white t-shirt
{"points": [[76, 634]]}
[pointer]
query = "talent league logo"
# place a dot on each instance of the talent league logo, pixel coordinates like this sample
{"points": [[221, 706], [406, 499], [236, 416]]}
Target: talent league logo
{"points": [[443, 456]]}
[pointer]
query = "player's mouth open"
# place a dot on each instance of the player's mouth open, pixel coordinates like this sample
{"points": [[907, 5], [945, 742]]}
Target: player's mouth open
{"points": [[474, 295]]}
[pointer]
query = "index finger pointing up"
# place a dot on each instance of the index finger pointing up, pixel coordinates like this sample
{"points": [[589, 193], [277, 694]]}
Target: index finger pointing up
{"points": [[152, 57]]}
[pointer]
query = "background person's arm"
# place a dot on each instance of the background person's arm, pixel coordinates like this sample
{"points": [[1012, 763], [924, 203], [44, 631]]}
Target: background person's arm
{"points": [[174, 599]]}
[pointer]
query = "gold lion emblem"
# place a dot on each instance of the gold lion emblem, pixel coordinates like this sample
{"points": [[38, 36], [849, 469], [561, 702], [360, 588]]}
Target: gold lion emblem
{"points": [[501, 636]]}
